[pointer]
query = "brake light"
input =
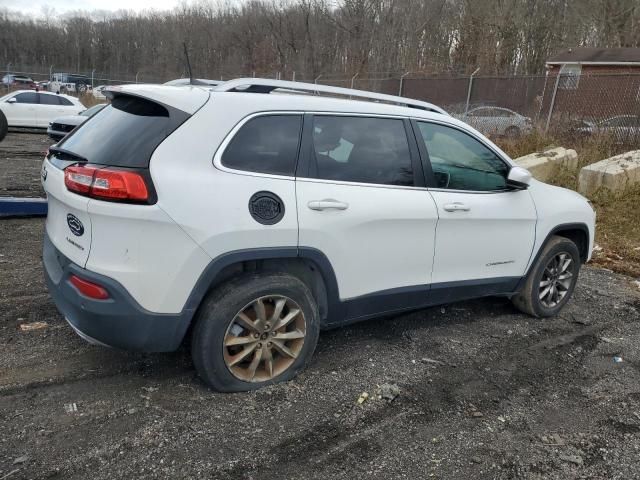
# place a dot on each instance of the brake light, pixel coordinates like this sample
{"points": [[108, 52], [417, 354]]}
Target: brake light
{"points": [[89, 289], [107, 184]]}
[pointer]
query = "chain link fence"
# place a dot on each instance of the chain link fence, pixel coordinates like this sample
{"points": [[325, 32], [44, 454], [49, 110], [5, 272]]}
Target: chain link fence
{"points": [[584, 105]]}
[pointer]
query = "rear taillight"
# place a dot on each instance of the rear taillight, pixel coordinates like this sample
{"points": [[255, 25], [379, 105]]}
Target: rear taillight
{"points": [[89, 289], [106, 183]]}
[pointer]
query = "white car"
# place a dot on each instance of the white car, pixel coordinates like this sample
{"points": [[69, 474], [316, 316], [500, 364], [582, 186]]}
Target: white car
{"points": [[97, 92], [497, 121], [252, 221], [26, 108], [61, 126]]}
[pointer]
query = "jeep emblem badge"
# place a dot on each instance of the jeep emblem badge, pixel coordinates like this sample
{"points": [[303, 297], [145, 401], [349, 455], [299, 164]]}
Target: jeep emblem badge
{"points": [[266, 208], [75, 225]]}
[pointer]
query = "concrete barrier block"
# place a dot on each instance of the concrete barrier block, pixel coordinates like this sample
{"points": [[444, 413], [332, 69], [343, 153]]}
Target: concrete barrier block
{"points": [[543, 165], [615, 173]]}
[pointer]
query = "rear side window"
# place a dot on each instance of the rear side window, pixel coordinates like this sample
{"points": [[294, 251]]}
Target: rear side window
{"points": [[361, 149], [124, 133], [48, 99], [65, 102], [27, 97], [266, 144]]}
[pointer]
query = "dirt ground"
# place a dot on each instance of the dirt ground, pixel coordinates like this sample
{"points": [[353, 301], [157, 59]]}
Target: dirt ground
{"points": [[484, 391]]}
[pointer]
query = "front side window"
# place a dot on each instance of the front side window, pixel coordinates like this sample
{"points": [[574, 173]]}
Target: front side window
{"points": [[460, 162], [266, 144], [27, 97], [361, 149]]}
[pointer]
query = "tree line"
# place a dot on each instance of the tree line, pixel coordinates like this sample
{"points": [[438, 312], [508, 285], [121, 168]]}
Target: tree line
{"points": [[329, 38]]}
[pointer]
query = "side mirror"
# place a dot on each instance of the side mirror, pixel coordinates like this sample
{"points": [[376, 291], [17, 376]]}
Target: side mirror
{"points": [[519, 178], [12, 100]]}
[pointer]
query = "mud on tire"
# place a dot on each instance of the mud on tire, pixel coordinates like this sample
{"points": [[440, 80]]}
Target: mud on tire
{"points": [[255, 330]]}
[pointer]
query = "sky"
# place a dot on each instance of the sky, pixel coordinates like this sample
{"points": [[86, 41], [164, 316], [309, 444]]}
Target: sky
{"points": [[36, 7]]}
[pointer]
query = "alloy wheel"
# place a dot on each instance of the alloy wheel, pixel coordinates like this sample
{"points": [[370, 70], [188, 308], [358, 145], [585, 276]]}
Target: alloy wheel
{"points": [[264, 338], [556, 280]]}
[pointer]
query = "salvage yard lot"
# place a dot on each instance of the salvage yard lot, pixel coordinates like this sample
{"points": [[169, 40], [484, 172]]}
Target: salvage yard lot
{"points": [[485, 392]]}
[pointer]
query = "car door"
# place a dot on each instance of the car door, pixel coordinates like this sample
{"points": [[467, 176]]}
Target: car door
{"points": [[363, 205], [485, 231], [50, 108], [484, 120], [22, 111]]}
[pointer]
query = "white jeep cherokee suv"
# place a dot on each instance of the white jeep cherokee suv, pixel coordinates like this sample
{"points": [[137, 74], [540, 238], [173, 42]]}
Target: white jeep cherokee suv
{"points": [[252, 215]]}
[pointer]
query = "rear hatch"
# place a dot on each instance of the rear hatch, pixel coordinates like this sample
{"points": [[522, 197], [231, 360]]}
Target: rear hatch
{"points": [[107, 159]]}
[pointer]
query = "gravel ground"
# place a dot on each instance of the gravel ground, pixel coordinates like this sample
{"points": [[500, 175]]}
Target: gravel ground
{"points": [[483, 392], [21, 156]]}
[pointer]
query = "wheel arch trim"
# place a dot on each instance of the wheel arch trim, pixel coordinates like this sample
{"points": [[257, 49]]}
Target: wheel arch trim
{"points": [[211, 274], [555, 231]]}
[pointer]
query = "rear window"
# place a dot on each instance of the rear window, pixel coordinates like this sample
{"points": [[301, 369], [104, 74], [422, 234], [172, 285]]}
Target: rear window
{"points": [[266, 144], [48, 99], [124, 133]]}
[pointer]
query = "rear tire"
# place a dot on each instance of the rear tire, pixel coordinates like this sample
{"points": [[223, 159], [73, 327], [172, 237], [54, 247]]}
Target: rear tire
{"points": [[4, 126], [247, 332], [551, 280]]}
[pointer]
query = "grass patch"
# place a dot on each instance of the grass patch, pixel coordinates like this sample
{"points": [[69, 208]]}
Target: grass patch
{"points": [[618, 215]]}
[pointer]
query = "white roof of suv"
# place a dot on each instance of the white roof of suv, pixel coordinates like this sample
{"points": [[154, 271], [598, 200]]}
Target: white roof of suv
{"points": [[302, 96]]}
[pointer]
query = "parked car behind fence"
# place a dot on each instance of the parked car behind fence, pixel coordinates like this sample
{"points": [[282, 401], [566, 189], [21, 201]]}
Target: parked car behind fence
{"points": [[497, 121], [622, 128], [20, 81], [69, 82]]}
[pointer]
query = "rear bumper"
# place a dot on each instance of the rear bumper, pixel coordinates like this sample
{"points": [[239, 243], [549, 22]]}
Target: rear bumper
{"points": [[119, 321]]}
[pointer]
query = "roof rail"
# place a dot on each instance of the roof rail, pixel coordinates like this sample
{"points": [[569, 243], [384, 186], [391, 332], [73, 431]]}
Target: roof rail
{"points": [[264, 85]]}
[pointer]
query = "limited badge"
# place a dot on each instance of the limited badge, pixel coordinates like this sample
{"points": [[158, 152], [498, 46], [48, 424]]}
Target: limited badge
{"points": [[266, 208], [75, 225]]}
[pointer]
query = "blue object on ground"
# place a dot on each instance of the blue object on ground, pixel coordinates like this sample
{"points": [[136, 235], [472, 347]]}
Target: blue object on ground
{"points": [[22, 207]]}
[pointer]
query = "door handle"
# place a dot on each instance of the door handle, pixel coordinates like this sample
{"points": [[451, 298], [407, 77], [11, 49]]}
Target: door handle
{"points": [[327, 204], [456, 207]]}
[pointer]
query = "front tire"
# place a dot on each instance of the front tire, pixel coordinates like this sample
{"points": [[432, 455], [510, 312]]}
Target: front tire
{"points": [[253, 331], [551, 280]]}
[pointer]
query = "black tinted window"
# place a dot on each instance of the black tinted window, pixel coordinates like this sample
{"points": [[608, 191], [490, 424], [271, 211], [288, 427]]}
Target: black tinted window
{"points": [[124, 133], [460, 162], [48, 99], [361, 149], [65, 102], [27, 97], [267, 144]]}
